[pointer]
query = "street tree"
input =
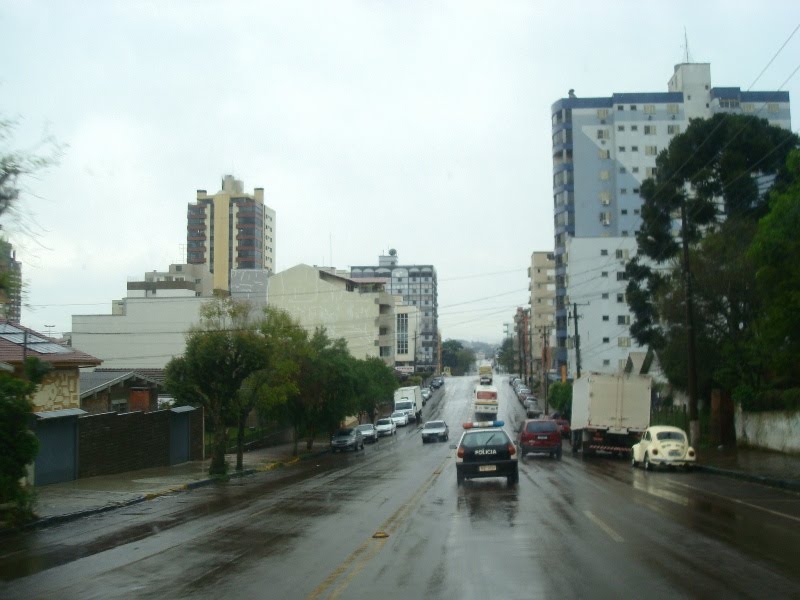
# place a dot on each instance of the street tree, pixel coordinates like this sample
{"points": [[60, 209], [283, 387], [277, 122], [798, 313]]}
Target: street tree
{"points": [[506, 355], [714, 173], [375, 385], [276, 380], [221, 353]]}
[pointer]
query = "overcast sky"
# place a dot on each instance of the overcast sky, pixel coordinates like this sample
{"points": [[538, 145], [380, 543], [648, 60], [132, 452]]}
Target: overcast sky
{"points": [[419, 126]]}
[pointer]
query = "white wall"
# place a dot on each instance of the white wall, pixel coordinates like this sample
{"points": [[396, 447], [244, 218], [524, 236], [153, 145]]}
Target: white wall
{"points": [[773, 430], [147, 335]]}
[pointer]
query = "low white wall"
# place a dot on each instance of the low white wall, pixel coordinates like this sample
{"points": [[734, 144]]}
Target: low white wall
{"points": [[774, 430]]}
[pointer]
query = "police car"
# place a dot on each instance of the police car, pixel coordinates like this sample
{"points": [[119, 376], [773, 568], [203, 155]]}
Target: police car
{"points": [[486, 450]]}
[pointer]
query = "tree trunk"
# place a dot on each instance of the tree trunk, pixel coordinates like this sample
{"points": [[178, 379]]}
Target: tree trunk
{"points": [[240, 443], [218, 466]]}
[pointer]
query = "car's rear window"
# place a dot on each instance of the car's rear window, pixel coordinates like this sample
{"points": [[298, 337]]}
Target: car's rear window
{"points": [[671, 435], [434, 425], [365, 427], [484, 438], [384, 421], [541, 426], [344, 431]]}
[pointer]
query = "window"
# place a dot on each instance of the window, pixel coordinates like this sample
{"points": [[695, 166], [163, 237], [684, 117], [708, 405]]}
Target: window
{"points": [[622, 169], [635, 190], [620, 107], [604, 175], [650, 172], [620, 297], [605, 317], [634, 148], [605, 198], [623, 320], [603, 252], [620, 127], [606, 340], [773, 107], [650, 109], [650, 150], [623, 190], [673, 129], [634, 128], [621, 276], [649, 129], [729, 103], [603, 154], [624, 211], [604, 296], [632, 107], [672, 108], [604, 274], [605, 218], [624, 342], [635, 169], [636, 211], [602, 134], [621, 254], [621, 149], [602, 113], [606, 362], [385, 351], [624, 233]]}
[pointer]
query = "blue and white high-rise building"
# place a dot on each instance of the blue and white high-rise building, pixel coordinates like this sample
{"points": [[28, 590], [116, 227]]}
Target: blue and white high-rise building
{"points": [[603, 149]]}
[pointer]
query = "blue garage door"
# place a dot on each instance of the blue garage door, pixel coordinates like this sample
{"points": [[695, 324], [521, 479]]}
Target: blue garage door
{"points": [[58, 450]]}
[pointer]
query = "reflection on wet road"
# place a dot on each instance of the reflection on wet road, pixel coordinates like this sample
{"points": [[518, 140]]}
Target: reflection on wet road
{"points": [[391, 522]]}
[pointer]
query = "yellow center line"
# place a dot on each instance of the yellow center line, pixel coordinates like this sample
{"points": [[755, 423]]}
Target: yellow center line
{"points": [[362, 555]]}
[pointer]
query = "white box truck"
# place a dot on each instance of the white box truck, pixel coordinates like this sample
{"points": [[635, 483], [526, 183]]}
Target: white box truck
{"points": [[409, 400], [485, 404], [609, 412]]}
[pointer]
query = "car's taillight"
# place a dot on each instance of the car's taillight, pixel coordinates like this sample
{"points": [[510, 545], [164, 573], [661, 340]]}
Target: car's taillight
{"points": [[512, 449], [460, 452]]}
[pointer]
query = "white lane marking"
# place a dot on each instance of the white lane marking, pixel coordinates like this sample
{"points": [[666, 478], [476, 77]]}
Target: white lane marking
{"points": [[742, 502], [604, 526]]}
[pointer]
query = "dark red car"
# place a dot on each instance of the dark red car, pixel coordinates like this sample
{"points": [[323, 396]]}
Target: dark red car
{"points": [[540, 436], [563, 427]]}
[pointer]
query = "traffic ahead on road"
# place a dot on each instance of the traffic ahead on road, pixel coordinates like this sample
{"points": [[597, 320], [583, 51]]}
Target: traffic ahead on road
{"points": [[403, 519]]}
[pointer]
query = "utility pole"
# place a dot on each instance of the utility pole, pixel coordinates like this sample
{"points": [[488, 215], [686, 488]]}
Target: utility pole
{"points": [[545, 366], [694, 422], [577, 341]]}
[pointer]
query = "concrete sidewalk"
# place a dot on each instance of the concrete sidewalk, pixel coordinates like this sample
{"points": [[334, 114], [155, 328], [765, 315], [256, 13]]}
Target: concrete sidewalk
{"points": [[65, 501], [776, 469]]}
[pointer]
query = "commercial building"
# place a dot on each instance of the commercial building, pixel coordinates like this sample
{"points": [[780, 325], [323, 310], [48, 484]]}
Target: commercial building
{"points": [[360, 311], [230, 230], [603, 149], [417, 286], [11, 294], [542, 276]]}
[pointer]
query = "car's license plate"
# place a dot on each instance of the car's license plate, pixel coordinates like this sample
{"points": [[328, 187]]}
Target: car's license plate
{"points": [[674, 452], [541, 437], [484, 468]]}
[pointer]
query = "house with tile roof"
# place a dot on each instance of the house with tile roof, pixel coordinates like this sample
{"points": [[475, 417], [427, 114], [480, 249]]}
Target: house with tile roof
{"points": [[60, 389]]}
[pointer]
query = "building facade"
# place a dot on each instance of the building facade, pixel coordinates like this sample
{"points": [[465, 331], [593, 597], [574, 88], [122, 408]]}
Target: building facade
{"points": [[361, 312], [230, 230], [11, 294], [603, 149], [542, 276], [417, 286]]}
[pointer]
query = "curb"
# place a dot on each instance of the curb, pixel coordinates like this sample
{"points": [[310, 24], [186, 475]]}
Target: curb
{"points": [[786, 484]]}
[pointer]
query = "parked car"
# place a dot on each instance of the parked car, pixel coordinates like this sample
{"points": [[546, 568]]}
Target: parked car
{"points": [[513, 380], [426, 394], [400, 418], [368, 432], [386, 426], [532, 408], [435, 431], [437, 382], [522, 393], [563, 427], [347, 437], [540, 436], [663, 445]]}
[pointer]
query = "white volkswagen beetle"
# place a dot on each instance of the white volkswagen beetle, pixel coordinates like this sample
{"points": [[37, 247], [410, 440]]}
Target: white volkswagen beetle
{"points": [[663, 445]]}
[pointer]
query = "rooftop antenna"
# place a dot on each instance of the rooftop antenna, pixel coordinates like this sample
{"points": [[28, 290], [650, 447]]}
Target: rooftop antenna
{"points": [[686, 57]]}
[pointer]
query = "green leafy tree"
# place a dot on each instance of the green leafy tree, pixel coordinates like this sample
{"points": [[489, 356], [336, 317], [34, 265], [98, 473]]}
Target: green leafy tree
{"points": [[775, 251], [506, 355], [450, 350], [714, 175], [220, 355], [375, 385], [559, 398], [276, 380]]}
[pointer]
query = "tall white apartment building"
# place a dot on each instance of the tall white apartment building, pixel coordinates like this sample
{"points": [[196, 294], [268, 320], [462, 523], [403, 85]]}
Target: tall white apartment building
{"points": [[603, 149], [542, 275]]}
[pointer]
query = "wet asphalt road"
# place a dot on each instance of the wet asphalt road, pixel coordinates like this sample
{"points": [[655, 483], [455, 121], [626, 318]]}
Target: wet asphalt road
{"points": [[571, 528]]}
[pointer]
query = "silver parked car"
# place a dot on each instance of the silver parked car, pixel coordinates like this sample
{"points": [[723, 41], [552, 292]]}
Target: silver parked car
{"points": [[346, 438], [386, 426], [369, 433]]}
